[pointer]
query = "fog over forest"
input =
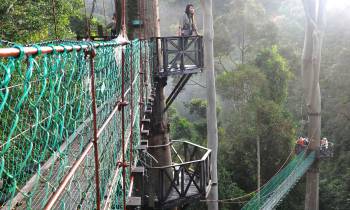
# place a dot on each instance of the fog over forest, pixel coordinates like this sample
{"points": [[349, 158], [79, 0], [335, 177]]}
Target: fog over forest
{"points": [[266, 24]]}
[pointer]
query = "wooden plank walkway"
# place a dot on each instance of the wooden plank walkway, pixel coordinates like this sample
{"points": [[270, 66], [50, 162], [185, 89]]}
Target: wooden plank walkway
{"points": [[175, 199]]}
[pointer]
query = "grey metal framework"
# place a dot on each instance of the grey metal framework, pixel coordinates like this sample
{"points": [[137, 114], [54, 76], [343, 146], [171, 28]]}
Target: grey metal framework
{"points": [[178, 55], [189, 176], [177, 89]]}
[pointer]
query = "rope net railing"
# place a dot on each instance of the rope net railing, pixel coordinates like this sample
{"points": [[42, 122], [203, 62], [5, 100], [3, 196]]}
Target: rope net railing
{"points": [[62, 107], [279, 185]]}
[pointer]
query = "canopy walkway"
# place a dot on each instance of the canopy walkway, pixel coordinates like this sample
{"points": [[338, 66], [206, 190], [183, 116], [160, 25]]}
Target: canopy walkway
{"points": [[75, 120], [70, 118], [278, 186], [72, 115]]}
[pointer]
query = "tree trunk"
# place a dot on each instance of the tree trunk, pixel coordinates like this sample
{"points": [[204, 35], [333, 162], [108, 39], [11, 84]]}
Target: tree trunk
{"points": [[311, 59], [160, 135], [258, 155], [159, 129], [212, 131]]}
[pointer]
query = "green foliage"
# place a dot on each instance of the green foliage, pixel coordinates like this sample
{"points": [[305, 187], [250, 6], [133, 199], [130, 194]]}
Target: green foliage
{"points": [[335, 173], [241, 85], [33, 20], [227, 188], [182, 128], [276, 133], [194, 126], [335, 183], [275, 130], [197, 107], [255, 109], [78, 25], [275, 67]]}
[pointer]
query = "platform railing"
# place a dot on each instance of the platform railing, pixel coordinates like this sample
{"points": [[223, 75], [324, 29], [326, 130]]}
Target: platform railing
{"points": [[178, 55], [188, 177]]}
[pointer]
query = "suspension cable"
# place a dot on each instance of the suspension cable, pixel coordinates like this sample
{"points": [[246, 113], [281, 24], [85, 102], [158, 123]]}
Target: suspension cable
{"points": [[232, 200]]}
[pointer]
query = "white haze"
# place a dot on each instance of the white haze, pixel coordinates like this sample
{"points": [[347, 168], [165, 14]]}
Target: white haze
{"points": [[333, 5]]}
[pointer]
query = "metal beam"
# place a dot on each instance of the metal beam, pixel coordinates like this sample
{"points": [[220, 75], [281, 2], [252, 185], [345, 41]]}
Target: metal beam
{"points": [[179, 86]]}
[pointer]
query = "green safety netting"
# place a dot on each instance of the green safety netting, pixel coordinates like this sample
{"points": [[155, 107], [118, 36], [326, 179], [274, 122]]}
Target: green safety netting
{"points": [[47, 122], [279, 185]]}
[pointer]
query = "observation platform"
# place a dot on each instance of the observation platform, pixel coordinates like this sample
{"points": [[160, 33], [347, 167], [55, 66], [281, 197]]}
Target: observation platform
{"points": [[178, 55], [186, 181]]}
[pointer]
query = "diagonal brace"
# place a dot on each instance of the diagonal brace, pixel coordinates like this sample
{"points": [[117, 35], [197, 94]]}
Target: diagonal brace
{"points": [[179, 86]]}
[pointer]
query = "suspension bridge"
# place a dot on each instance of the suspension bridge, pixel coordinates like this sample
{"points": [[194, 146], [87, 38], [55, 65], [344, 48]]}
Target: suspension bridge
{"points": [[78, 119], [75, 121]]}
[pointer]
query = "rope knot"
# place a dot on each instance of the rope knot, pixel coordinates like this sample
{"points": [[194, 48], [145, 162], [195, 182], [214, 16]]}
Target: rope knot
{"points": [[54, 51], [38, 48], [21, 51]]}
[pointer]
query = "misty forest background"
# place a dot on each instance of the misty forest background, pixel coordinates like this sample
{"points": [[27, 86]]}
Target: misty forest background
{"points": [[258, 46]]}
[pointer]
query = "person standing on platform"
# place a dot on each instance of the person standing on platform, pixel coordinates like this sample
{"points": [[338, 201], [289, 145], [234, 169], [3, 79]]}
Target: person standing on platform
{"points": [[187, 25]]}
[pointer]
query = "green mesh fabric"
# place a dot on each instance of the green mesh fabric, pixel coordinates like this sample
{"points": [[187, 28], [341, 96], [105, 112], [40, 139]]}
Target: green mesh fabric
{"points": [[279, 185], [47, 123]]}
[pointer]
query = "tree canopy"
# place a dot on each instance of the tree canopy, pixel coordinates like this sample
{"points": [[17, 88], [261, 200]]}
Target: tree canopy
{"points": [[35, 21]]}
